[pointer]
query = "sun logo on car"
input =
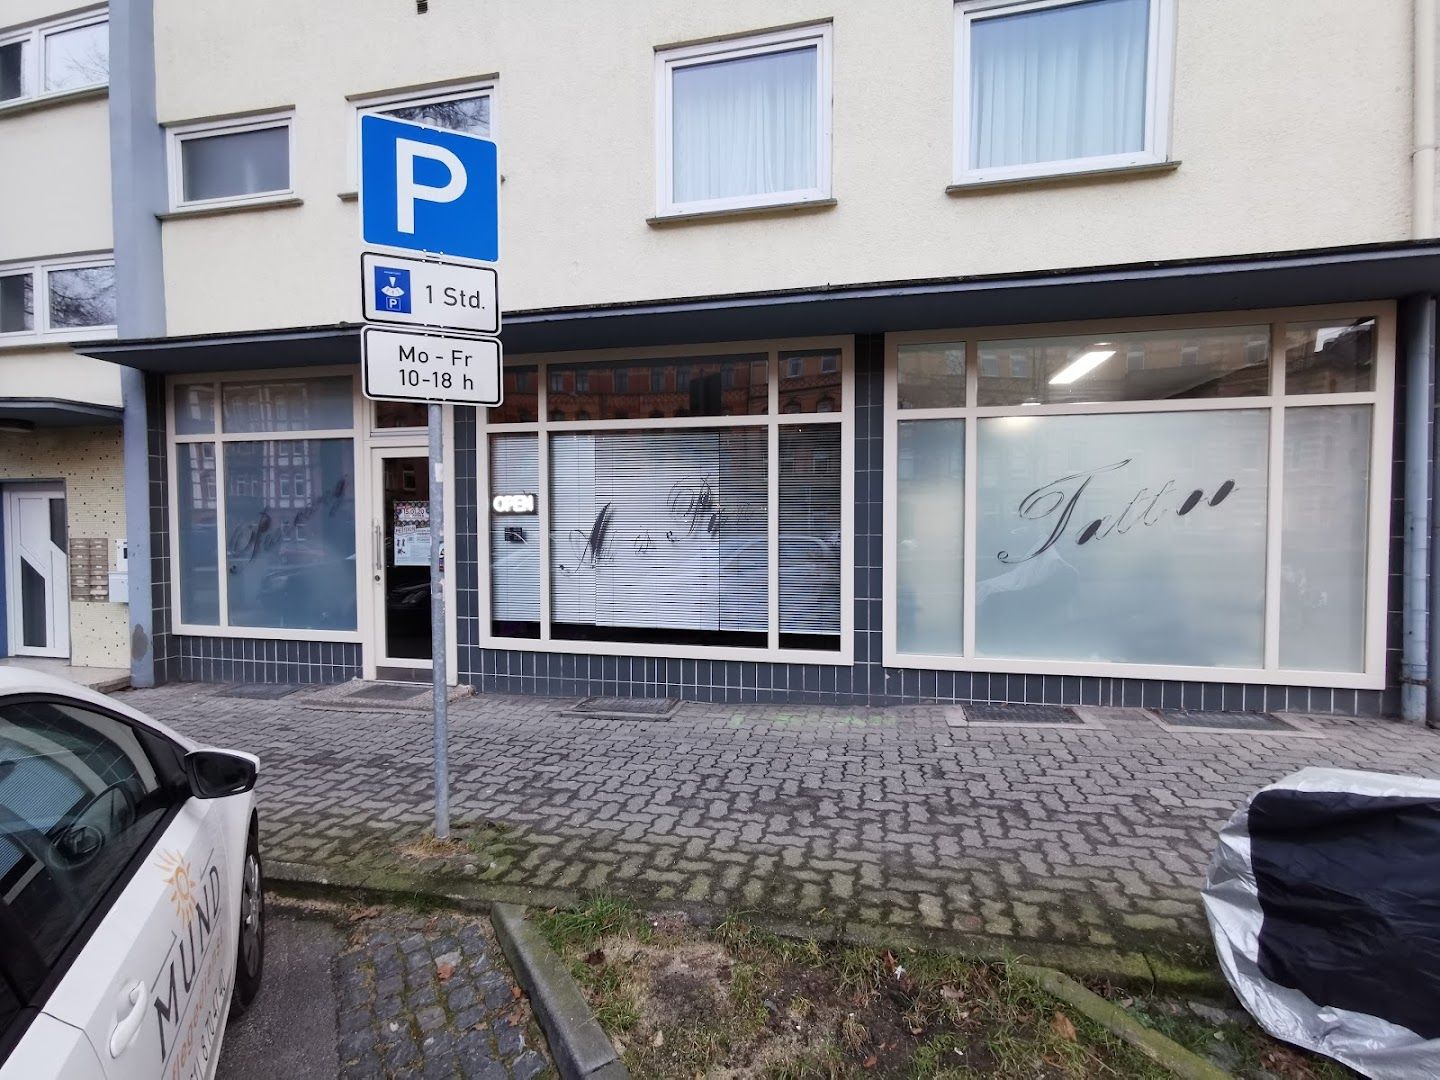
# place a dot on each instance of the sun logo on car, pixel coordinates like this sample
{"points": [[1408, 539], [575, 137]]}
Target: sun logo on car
{"points": [[181, 882]]}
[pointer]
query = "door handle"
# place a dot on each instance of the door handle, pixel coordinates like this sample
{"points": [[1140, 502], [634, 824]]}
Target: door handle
{"points": [[128, 1026], [377, 557]]}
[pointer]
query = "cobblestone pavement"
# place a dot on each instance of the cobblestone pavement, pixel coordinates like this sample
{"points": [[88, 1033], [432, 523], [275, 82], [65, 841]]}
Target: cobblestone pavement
{"points": [[1090, 836], [432, 997]]}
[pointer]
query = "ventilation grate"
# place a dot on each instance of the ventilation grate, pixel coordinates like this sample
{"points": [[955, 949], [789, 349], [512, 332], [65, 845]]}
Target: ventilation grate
{"points": [[997, 713], [1222, 721], [622, 708], [258, 691], [389, 692]]}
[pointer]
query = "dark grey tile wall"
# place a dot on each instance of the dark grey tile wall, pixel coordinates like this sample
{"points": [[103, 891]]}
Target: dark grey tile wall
{"points": [[868, 682]]}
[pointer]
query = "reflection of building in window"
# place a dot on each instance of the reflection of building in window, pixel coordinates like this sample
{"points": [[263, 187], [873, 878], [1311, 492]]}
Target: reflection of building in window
{"points": [[811, 383]]}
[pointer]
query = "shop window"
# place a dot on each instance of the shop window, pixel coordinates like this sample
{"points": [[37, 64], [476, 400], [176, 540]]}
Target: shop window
{"points": [[1045, 87], [54, 58], [812, 382], [1154, 365], [265, 503], [520, 402], [401, 414], [660, 537], [702, 386], [744, 122], [933, 376], [1117, 509], [64, 300], [235, 162]]}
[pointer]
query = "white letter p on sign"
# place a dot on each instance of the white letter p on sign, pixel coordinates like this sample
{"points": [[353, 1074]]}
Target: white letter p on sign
{"points": [[407, 191]]}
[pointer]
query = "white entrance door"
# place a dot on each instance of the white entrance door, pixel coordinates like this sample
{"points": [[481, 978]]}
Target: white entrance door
{"points": [[37, 570]]}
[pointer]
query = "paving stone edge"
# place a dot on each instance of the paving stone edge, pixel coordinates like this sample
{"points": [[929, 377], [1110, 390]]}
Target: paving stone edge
{"points": [[1126, 966], [578, 1044], [1158, 1048]]}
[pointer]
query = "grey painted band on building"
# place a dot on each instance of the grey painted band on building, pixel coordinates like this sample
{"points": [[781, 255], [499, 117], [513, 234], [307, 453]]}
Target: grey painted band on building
{"points": [[138, 188]]}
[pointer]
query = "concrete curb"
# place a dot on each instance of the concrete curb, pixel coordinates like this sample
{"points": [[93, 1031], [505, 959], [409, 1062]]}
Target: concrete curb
{"points": [[578, 1044], [1158, 1048], [1122, 965]]}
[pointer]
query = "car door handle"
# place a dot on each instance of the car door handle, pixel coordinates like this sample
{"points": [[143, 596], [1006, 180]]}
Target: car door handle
{"points": [[128, 1026]]}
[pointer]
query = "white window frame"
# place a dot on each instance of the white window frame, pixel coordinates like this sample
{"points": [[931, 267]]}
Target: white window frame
{"points": [[668, 60], [356, 433], [771, 422], [381, 101], [32, 73], [1159, 73], [1381, 400], [179, 134], [41, 332]]}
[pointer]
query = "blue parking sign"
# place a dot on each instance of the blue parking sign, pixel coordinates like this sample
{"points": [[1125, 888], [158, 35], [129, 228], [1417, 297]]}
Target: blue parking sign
{"points": [[392, 289], [426, 189]]}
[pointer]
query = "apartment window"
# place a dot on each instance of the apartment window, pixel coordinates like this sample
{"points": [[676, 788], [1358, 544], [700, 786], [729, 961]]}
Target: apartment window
{"points": [[232, 163], [744, 122], [61, 300], [674, 528], [1045, 87], [55, 58], [467, 108], [1196, 499], [263, 490]]}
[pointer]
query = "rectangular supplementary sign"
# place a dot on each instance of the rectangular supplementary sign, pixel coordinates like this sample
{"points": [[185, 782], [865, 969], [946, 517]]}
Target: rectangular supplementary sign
{"points": [[429, 190], [440, 295], [408, 365]]}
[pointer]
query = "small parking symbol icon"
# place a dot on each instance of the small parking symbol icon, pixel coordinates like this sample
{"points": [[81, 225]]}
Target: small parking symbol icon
{"points": [[392, 289]]}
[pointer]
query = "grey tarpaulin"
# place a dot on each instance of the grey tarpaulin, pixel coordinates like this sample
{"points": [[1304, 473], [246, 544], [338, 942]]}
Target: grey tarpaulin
{"points": [[1324, 899]]}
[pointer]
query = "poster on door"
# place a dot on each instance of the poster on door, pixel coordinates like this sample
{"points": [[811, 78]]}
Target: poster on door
{"points": [[412, 534]]}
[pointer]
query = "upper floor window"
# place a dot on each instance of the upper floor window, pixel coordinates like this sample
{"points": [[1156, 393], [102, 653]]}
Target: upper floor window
{"points": [[230, 162], [1045, 87], [744, 123], [62, 300], [54, 58], [469, 108]]}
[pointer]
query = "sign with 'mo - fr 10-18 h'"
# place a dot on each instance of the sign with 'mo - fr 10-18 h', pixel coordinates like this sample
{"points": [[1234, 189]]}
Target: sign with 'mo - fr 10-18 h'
{"points": [[431, 193]]}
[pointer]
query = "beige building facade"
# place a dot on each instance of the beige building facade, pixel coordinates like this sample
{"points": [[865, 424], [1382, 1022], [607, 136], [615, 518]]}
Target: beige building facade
{"points": [[61, 466]]}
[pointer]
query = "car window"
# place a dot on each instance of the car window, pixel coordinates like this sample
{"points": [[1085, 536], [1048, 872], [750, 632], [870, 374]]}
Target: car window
{"points": [[78, 797]]}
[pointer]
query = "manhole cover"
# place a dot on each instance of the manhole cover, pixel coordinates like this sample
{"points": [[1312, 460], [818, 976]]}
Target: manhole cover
{"points": [[260, 691], [1224, 721], [986, 713], [388, 692], [626, 708]]}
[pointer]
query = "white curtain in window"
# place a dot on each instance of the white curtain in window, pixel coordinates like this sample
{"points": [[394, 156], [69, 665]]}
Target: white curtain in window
{"points": [[1058, 83], [745, 126]]}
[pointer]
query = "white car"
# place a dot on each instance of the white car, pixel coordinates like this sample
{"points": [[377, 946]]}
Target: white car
{"points": [[131, 909]]}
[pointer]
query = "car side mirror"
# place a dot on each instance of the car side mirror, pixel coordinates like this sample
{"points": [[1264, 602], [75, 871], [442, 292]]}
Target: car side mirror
{"points": [[215, 774]]}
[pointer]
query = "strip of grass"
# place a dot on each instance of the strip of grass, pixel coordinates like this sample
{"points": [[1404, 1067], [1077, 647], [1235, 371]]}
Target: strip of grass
{"points": [[735, 1000]]}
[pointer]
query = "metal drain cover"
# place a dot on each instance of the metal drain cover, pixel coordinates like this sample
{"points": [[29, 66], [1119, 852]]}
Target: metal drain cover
{"points": [[1223, 721], [988, 713], [621, 708], [389, 692], [258, 691]]}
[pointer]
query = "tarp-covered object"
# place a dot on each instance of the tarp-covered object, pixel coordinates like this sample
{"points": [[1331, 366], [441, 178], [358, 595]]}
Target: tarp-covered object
{"points": [[1324, 899]]}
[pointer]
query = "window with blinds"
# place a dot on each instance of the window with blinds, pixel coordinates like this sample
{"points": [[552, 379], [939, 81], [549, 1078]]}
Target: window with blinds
{"points": [[678, 503]]}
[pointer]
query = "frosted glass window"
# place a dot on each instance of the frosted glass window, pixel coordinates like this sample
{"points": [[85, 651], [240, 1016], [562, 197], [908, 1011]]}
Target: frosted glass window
{"points": [[1133, 538], [470, 114], [290, 533], [196, 514], [17, 303], [514, 538], [1152, 365], [1058, 83], [82, 296], [660, 536], [931, 376], [235, 164], [810, 537], [1336, 356], [1323, 554], [325, 403], [745, 126], [930, 520], [77, 58]]}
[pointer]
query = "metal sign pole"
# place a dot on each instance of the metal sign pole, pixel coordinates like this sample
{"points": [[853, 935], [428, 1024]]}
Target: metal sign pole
{"points": [[437, 618]]}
